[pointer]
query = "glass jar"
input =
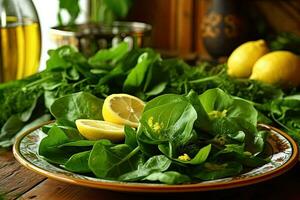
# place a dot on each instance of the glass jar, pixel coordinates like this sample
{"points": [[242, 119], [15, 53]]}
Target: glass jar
{"points": [[20, 39]]}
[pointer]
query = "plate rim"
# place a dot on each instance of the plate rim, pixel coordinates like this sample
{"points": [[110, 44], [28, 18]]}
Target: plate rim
{"points": [[159, 188]]}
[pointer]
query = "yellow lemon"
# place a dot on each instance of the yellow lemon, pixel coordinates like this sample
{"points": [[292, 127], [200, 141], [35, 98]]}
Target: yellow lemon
{"points": [[278, 67], [123, 109], [97, 129], [242, 59]]}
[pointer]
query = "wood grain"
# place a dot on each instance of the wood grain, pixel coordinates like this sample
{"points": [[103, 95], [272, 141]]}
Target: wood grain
{"points": [[54, 190], [184, 26], [281, 16], [14, 178], [172, 22], [162, 16], [283, 187], [200, 9], [51, 189]]}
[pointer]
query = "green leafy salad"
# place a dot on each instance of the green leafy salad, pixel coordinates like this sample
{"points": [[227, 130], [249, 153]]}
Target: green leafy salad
{"points": [[140, 72], [180, 139]]}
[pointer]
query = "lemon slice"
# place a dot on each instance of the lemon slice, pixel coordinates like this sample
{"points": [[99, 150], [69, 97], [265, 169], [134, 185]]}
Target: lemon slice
{"points": [[97, 129], [123, 109]]}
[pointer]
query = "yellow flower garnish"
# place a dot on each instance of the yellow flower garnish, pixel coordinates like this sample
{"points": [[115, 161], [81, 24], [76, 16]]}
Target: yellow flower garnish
{"points": [[156, 127], [150, 121], [217, 114], [184, 157]]}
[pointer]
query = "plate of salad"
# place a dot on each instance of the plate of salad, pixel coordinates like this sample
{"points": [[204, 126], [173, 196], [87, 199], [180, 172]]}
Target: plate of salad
{"points": [[172, 143]]}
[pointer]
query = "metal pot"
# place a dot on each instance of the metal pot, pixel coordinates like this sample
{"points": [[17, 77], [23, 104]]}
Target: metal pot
{"points": [[89, 38]]}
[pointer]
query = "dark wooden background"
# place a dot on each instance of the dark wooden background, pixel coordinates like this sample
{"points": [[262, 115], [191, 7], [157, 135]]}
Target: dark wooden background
{"points": [[177, 23]]}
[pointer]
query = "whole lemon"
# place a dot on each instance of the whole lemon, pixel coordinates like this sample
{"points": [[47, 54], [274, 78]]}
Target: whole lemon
{"points": [[278, 67], [242, 59]]}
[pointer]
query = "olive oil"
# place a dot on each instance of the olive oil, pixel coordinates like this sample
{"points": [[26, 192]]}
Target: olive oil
{"points": [[20, 49]]}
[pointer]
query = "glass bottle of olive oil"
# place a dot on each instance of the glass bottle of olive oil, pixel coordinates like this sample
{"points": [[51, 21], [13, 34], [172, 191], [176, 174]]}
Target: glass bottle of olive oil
{"points": [[20, 39]]}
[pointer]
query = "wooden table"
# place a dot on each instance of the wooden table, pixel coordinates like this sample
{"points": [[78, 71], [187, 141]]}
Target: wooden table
{"points": [[17, 182]]}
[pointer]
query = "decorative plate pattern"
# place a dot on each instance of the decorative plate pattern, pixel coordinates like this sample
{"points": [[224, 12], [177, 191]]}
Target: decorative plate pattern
{"points": [[284, 155]]}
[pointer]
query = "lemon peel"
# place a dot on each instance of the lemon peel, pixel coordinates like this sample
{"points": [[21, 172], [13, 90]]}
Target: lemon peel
{"points": [[243, 58], [279, 68], [98, 129]]}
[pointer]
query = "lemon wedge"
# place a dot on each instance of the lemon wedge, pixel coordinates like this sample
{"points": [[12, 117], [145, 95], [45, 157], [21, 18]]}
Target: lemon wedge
{"points": [[97, 129], [123, 109]]}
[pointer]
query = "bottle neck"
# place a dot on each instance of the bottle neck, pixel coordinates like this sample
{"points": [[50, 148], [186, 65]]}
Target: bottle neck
{"points": [[10, 13], [13, 13]]}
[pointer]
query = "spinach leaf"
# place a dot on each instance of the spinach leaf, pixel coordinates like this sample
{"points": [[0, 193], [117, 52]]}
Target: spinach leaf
{"points": [[158, 163], [79, 143], [168, 121], [107, 57], [238, 153], [234, 118], [110, 161], [218, 104], [78, 162], [169, 177], [285, 112], [163, 99], [50, 149], [238, 130], [69, 128], [130, 137], [122, 68], [137, 75], [211, 171], [156, 79], [215, 100], [64, 57], [148, 147], [202, 121], [200, 157], [157, 89], [75, 106]]}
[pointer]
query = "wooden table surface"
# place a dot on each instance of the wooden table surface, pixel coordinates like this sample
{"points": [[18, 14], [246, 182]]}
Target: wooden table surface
{"points": [[17, 182]]}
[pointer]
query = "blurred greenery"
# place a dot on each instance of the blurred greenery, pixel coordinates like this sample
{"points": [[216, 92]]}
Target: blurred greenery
{"points": [[107, 11], [102, 11], [72, 8], [286, 41]]}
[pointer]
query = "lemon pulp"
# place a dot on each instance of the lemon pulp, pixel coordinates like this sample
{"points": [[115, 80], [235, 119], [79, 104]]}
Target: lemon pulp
{"points": [[123, 109]]}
